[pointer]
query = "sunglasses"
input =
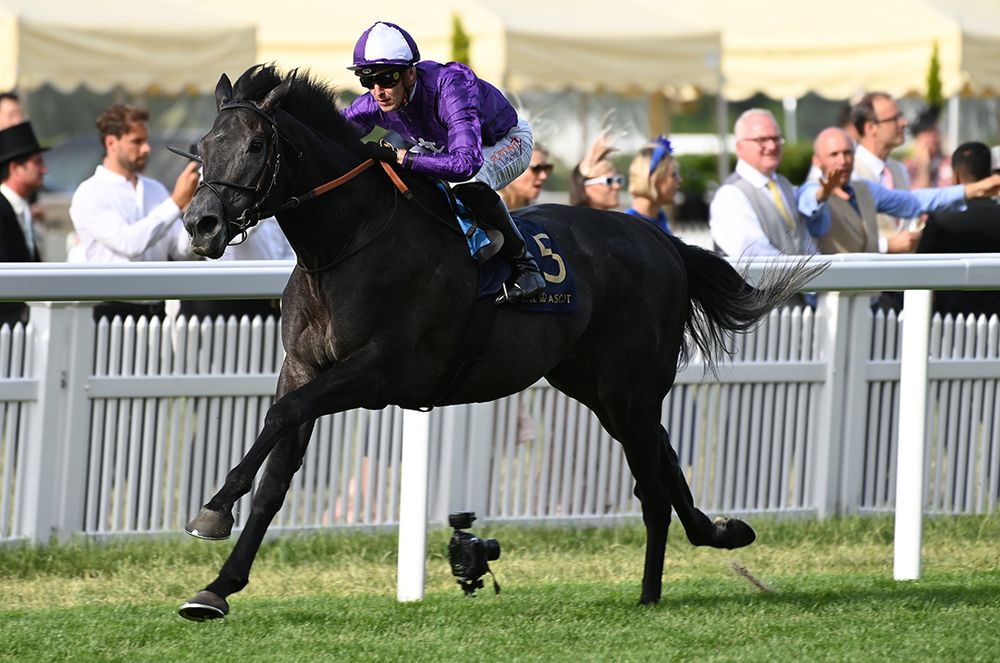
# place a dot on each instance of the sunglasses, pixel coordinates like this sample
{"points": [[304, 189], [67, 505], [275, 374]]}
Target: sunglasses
{"points": [[607, 180], [385, 79], [541, 168]]}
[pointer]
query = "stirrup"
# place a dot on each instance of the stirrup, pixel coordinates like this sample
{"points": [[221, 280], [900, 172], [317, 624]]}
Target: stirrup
{"points": [[515, 294]]}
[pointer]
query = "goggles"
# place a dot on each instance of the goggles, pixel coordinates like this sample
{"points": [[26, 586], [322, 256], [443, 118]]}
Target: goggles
{"points": [[607, 180], [661, 148], [384, 79]]}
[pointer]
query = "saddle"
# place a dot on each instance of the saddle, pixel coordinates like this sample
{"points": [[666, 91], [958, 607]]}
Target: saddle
{"points": [[484, 243]]}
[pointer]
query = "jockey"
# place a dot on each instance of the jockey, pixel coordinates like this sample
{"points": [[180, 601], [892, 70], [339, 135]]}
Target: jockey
{"points": [[463, 130]]}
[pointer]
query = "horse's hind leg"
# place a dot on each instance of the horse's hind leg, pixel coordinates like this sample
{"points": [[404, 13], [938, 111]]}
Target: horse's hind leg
{"points": [[635, 427], [723, 533], [283, 462]]}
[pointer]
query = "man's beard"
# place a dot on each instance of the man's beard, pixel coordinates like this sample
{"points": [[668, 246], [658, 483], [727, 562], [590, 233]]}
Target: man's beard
{"points": [[133, 166]]}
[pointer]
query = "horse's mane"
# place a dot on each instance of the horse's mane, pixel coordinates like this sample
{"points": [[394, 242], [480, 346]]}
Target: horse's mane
{"points": [[311, 102]]}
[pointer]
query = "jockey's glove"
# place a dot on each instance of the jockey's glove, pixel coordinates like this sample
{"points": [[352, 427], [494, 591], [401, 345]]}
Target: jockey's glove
{"points": [[381, 152]]}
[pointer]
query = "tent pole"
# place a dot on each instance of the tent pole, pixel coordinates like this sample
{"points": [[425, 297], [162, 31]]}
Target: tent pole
{"points": [[791, 105], [722, 120], [954, 111]]}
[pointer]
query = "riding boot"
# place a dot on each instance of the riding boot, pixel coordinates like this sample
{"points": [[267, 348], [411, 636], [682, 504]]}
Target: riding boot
{"points": [[489, 209]]}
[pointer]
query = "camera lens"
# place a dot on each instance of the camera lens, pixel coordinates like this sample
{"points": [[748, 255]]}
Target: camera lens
{"points": [[492, 549]]}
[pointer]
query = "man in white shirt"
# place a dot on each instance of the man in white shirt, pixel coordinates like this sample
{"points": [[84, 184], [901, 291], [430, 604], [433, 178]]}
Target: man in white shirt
{"points": [[22, 170], [756, 212], [881, 128], [122, 216]]}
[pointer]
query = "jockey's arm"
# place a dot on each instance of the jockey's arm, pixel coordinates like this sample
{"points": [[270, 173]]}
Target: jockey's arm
{"points": [[458, 111]]}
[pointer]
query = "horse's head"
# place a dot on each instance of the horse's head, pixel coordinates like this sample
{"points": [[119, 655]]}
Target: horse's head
{"points": [[241, 169]]}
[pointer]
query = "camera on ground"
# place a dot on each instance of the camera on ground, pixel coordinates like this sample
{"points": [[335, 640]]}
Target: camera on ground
{"points": [[468, 555]]}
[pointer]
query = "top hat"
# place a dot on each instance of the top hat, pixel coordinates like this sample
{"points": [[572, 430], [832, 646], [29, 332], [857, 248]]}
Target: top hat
{"points": [[18, 141]]}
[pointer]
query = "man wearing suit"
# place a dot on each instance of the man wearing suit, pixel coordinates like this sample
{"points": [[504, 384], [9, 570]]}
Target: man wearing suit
{"points": [[974, 230], [22, 169], [881, 128]]}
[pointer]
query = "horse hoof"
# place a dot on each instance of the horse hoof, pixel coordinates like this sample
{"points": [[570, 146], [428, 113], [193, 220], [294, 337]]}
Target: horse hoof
{"points": [[211, 525], [203, 606], [733, 533]]}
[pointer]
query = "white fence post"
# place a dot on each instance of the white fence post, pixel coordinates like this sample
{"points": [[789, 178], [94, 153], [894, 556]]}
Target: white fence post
{"points": [[826, 459], [450, 488], [912, 424], [478, 459], [55, 457], [854, 406], [411, 565]]}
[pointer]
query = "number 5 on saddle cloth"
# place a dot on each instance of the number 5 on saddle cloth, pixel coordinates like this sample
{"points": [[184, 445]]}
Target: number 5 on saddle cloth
{"points": [[484, 244]]}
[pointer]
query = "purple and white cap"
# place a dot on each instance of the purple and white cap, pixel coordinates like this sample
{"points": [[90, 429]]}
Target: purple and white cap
{"points": [[384, 45]]}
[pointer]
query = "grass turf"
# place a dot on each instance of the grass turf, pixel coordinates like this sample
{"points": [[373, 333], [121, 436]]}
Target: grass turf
{"points": [[568, 595]]}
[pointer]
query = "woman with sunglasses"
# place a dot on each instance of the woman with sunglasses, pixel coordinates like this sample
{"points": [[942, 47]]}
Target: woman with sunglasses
{"points": [[463, 130], [654, 178], [595, 181], [526, 187]]}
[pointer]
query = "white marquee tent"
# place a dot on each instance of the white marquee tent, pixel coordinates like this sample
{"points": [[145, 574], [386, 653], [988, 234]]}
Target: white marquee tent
{"points": [[164, 45], [792, 47], [519, 45]]}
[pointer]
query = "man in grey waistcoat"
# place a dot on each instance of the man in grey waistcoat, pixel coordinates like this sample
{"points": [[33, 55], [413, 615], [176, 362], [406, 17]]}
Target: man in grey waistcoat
{"points": [[848, 224], [756, 212]]}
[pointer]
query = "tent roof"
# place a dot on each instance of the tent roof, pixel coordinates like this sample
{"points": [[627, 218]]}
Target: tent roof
{"points": [[517, 44], [170, 45], [839, 50]]}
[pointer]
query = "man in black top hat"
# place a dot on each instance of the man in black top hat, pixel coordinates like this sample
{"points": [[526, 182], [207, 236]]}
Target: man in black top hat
{"points": [[22, 169]]}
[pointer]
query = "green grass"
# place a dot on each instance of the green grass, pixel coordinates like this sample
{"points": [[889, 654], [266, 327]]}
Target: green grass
{"points": [[568, 595]]}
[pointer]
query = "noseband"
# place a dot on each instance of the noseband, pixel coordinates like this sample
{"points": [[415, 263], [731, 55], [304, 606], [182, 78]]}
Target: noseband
{"points": [[251, 215]]}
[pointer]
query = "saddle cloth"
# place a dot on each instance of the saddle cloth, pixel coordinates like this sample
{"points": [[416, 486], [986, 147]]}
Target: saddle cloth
{"points": [[494, 270]]}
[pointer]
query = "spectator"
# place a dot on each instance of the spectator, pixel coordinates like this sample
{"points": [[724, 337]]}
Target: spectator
{"points": [[653, 180], [844, 122], [754, 212], [928, 167], [881, 128], [847, 224], [976, 229], [11, 113], [481, 137], [120, 215], [10, 110], [526, 187], [595, 181], [22, 169]]}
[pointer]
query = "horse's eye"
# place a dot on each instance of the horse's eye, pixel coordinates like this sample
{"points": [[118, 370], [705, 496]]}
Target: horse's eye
{"points": [[256, 145]]}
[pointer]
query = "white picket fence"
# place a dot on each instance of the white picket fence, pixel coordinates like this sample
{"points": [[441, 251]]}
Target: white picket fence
{"points": [[129, 427]]}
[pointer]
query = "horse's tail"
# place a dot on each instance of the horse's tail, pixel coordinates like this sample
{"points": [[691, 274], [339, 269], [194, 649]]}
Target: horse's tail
{"points": [[723, 302]]}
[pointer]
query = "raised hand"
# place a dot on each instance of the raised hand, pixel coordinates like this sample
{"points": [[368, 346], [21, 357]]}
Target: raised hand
{"points": [[832, 183]]}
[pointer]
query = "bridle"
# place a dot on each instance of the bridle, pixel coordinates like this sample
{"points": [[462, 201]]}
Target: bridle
{"points": [[251, 215]]}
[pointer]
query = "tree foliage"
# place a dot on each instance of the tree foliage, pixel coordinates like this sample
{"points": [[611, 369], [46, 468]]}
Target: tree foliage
{"points": [[459, 41], [934, 95]]}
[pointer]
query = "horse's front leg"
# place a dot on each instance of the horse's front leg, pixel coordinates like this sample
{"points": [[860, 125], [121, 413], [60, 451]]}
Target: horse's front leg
{"points": [[345, 386], [283, 462], [301, 398]]}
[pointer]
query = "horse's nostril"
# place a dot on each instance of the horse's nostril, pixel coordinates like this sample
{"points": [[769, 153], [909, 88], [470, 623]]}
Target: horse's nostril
{"points": [[208, 225]]}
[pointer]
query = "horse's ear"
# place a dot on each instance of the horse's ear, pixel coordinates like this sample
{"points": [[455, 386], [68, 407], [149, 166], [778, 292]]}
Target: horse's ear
{"points": [[275, 96], [223, 92]]}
